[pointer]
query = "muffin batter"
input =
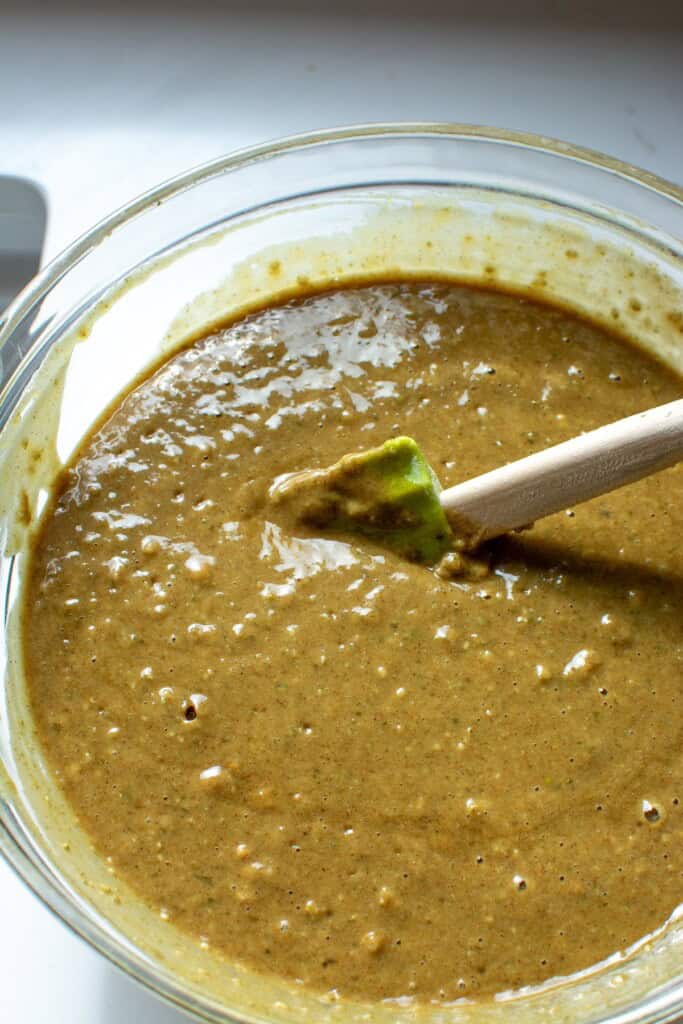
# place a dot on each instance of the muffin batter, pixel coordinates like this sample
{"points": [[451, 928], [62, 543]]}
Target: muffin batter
{"points": [[328, 762]]}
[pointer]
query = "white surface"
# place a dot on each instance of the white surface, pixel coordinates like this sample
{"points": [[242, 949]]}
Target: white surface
{"points": [[98, 108]]}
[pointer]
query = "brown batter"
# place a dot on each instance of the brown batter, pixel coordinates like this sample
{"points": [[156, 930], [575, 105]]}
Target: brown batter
{"points": [[328, 762]]}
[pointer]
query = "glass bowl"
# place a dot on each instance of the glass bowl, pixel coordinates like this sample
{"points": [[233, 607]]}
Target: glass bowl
{"points": [[520, 212]]}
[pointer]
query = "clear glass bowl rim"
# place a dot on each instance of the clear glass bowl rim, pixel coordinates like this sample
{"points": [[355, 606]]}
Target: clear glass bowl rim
{"points": [[32, 873]]}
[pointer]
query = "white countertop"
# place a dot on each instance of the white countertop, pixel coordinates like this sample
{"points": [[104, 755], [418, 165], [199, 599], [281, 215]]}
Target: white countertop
{"points": [[97, 108]]}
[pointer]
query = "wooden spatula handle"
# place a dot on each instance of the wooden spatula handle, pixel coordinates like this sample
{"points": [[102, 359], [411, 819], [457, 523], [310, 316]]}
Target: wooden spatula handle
{"points": [[557, 478]]}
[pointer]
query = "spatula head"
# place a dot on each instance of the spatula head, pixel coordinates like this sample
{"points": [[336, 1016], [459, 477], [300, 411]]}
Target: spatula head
{"points": [[389, 493]]}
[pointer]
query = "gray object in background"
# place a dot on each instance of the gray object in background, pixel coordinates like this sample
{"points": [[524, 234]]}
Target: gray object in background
{"points": [[23, 216]]}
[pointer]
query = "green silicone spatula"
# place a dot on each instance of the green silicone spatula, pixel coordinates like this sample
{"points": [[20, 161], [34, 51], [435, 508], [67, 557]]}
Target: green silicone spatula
{"points": [[392, 495], [388, 493]]}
